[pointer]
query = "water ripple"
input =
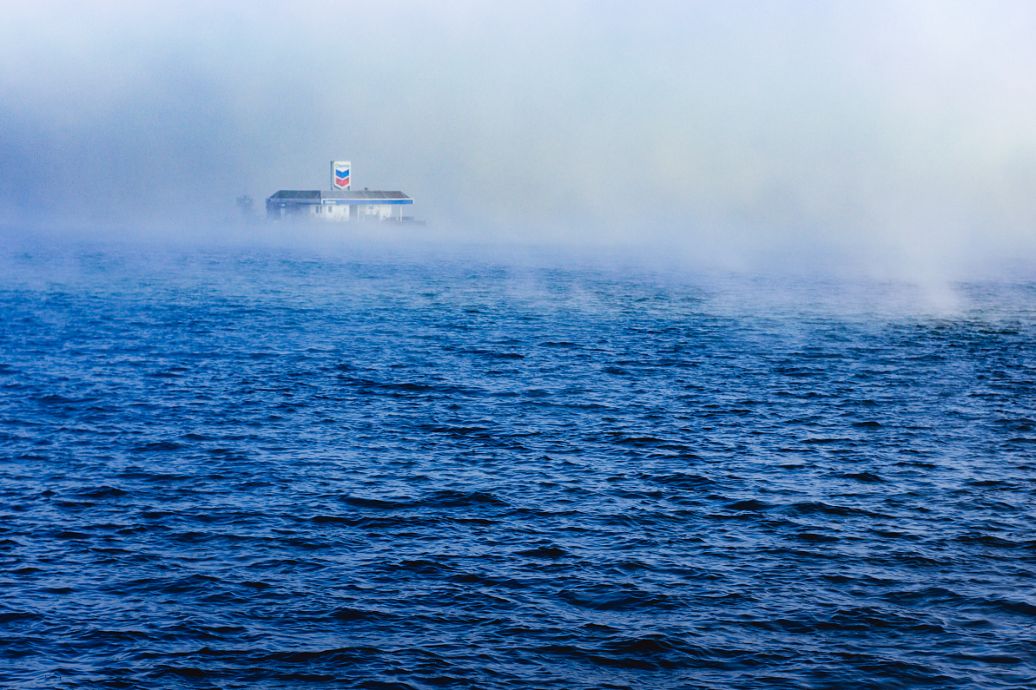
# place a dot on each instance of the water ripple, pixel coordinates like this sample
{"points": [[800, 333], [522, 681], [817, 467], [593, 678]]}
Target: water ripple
{"points": [[269, 471]]}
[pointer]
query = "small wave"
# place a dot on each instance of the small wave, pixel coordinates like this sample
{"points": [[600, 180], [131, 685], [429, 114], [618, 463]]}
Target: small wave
{"points": [[349, 613], [57, 400], [368, 522], [102, 492], [617, 598], [1018, 606], [822, 508], [990, 540], [547, 552], [636, 440], [158, 446], [377, 503], [817, 537], [867, 477], [683, 480], [458, 431], [20, 617], [494, 354], [450, 498], [749, 504], [186, 672]]}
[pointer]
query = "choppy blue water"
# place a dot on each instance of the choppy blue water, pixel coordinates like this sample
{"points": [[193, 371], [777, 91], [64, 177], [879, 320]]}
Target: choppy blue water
{"points": [[266, 469]]}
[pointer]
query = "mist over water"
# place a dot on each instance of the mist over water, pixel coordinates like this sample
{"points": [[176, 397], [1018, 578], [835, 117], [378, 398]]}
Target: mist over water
{"points": [[895, 140], [714, 365]]}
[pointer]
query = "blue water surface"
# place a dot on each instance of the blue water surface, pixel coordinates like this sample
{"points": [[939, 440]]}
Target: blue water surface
{"points": [[262, 468]]}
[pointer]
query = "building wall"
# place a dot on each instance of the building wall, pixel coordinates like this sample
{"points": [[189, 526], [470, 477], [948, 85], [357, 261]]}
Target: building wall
{"points": [[374, 211], [335, 213], [343, 212], [332, 212]]}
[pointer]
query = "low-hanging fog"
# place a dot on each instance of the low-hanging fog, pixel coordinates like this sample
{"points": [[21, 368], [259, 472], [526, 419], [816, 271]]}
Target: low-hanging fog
{"points": [[897, 137]]}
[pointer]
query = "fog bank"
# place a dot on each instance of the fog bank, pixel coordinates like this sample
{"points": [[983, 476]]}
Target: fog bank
{"points": [[892, 138]]}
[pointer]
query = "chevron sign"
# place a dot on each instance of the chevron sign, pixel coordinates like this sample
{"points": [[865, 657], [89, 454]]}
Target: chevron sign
{"points": [[341, 175]]}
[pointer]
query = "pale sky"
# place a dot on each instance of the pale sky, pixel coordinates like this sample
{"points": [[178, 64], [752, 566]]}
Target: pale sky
{"points": [[901, 131]]}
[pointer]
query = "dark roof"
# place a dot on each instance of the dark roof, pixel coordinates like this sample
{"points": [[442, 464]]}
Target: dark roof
{"points": [[315, 196], [296, 194], [363, 194]]}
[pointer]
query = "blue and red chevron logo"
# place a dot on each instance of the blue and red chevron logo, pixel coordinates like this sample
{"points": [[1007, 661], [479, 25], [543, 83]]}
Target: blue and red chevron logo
{"points": [[342, 177]]}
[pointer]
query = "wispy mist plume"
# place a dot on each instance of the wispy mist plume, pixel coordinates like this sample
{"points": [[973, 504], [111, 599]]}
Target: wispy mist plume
{"points": [[893, 138]]}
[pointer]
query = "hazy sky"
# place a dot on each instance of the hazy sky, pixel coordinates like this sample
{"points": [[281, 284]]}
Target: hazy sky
{"points": [[899, 131]]}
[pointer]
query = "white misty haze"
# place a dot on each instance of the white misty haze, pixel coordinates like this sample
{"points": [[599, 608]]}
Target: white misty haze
{"points": [[900, 136]]}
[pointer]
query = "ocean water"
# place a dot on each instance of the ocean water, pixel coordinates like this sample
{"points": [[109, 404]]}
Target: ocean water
{"points": [[263, 468]]}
